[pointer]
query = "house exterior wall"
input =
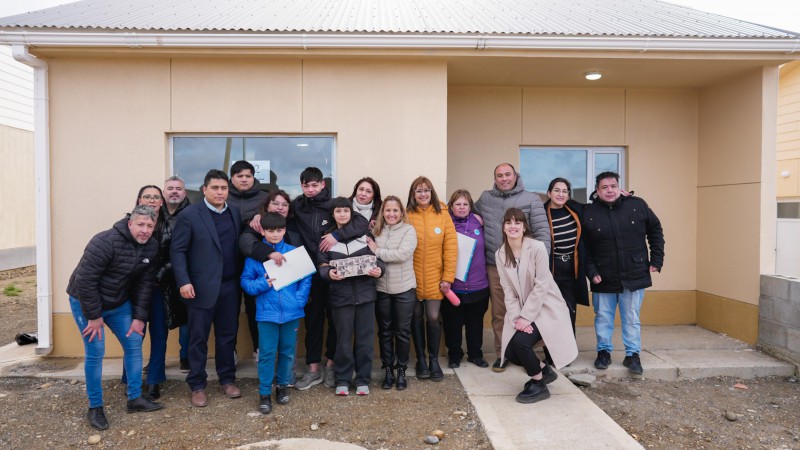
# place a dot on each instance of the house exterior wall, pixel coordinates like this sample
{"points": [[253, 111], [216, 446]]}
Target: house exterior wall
{"points": [[17, 242], [487, 126], [110, 115], [734, 245], [788, 136]]}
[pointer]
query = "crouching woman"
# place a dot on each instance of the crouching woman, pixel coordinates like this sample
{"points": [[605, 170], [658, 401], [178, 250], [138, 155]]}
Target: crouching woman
{"points": [[535, 309]]}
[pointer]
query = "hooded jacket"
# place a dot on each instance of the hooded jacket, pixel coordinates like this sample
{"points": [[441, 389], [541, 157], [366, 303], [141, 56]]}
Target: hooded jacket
{"points": [[492, 205], [271, 305], [313, 217], [617, 237], [115, 268], [352, 290]]}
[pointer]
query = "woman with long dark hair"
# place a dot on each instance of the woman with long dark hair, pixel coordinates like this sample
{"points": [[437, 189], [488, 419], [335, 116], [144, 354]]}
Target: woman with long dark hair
{"points": [[535, 310]]}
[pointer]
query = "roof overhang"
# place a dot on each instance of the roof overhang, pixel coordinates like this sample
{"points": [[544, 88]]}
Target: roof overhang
{"points": [[305, 41]]}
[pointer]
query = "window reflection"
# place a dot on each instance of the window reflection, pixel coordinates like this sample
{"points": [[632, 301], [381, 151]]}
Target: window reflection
{"points": [[278, 159]]}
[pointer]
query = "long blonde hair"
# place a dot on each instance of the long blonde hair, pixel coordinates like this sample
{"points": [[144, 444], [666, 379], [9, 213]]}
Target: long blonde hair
{"points": [[380, 223]]}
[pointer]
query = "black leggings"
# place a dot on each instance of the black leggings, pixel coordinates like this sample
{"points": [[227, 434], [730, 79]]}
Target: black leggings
{"points": [[520, 351]]}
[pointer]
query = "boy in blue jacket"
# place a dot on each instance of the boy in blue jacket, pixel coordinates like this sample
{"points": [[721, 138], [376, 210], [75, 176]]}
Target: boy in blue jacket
{"points": [[278, 315]]}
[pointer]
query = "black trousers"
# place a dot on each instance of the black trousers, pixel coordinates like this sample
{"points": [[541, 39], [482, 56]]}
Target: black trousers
{"points": [[468, 316], [394, 313], [520, 351], [355, 331], [317, 310], [250, 312], [224, 315]]}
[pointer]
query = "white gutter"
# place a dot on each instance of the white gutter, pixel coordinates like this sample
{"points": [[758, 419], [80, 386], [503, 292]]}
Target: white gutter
{"points": [[444, 41], [41, 152]]}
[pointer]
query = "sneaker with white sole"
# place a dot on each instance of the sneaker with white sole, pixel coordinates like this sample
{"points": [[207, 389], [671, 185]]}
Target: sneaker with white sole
{"points": [[308, 380], [342, 390], [330, 377], [362, 390]]}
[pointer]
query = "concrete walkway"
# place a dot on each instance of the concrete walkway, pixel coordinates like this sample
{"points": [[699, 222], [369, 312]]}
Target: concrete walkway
{"points": [[669, 353]]}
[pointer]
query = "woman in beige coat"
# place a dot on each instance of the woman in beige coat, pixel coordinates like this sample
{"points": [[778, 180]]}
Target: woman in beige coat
{"points": [[535, 309]]}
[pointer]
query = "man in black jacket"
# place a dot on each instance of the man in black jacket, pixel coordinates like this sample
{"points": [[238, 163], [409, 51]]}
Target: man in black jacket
{"points": [[618, 230], [112, 285]]}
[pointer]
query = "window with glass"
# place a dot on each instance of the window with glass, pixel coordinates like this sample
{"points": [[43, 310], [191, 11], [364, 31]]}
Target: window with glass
{"points": [[278, 159], [579, 165]]}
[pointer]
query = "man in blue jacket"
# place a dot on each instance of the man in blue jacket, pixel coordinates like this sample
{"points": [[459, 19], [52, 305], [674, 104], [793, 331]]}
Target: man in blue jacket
{"points": [[206, 264], [618, 231]]}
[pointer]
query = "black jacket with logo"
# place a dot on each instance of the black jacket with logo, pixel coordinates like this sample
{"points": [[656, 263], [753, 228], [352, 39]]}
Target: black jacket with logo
{"points": [[617, 238], [115, 268]]}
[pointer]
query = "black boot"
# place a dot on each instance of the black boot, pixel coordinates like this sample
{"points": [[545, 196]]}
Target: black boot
{"points": [[388, 381], [402, 383], [265, 406], [153, 392], [434, 335], [282, 394], [97, 419], [535, 390], [418, 336]]}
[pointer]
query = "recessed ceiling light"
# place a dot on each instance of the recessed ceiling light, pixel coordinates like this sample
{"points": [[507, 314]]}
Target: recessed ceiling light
{"points": [[593, 76], [302, 145]]}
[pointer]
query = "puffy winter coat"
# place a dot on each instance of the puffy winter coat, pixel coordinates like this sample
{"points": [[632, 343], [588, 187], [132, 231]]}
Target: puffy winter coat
{"points": [[248, 202], [352, 290], [437, 250], [271, 305], [115, 268], [313, 217], [396, 245], [492, 205], [477, 278], [617, 237]]}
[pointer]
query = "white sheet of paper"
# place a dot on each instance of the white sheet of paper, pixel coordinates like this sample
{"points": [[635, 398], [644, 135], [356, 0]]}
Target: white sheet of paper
{"points": [[297, 266], [466, 247]]}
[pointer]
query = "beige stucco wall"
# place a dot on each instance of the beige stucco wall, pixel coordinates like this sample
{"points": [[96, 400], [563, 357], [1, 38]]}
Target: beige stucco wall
{"points": [[17, 184], [107, 116], [788, 135]]}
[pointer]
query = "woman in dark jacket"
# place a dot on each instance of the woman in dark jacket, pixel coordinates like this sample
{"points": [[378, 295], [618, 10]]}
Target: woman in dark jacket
{"points": [[352, 301], [568, 254]]}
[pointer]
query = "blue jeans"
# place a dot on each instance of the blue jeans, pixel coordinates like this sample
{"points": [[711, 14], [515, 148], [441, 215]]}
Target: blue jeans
{"points": [[605, 308], [117, 320], [183, 340], [156, 370], [280, 338]]}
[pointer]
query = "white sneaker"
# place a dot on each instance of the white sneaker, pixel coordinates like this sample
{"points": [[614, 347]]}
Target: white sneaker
{"points": [[342, 390], [362, 390]]}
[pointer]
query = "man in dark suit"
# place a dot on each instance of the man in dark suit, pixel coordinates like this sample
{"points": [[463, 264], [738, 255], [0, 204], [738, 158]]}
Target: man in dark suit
{"points": [[205, 261]]}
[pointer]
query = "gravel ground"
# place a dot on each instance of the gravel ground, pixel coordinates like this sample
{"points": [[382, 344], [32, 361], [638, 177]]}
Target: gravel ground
{"points": [[709, 413], [692, 413], [51, 413]]}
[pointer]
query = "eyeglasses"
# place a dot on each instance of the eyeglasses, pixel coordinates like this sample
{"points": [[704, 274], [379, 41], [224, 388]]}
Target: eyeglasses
{"points": [[559, 191], [422, 191], [279, 204], [149, 197]]}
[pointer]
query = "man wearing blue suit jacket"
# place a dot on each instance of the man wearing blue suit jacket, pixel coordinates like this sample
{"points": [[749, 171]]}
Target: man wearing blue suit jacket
{"points": [[205, 261]]}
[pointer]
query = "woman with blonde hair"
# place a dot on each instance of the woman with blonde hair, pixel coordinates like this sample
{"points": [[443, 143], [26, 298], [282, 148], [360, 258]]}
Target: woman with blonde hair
{"points": [[394, 243], [434, 268]]}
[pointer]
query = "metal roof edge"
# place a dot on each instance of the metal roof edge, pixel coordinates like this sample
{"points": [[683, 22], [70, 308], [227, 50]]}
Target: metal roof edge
{"points": [[395, 41]]}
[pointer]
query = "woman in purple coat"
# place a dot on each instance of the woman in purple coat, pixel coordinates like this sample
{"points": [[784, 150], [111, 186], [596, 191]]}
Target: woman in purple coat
{"points": [[473, 291]]}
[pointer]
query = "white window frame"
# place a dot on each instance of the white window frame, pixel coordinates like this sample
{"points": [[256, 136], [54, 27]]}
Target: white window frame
{"points": [[590, 151]]}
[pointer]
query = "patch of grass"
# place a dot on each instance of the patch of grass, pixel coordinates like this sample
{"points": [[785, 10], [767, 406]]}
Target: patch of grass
{"points": [[11, 291]]}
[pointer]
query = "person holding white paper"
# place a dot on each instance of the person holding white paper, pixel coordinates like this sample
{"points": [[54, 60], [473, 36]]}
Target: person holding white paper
{"points": [[473, 291], [352, 301], [277, 314]]}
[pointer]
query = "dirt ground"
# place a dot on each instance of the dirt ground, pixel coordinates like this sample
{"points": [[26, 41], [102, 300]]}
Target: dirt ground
{"points": [[51, 413], [42, 413], [692, 413]]}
